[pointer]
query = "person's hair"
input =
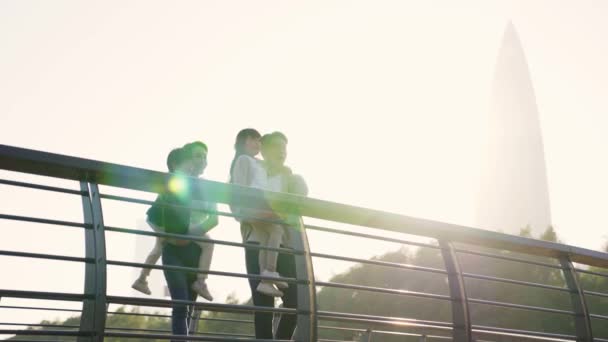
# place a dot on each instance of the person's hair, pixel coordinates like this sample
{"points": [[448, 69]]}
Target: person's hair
{"points": [[174, 158], [239, 144], [190, 146], [271, 137]]}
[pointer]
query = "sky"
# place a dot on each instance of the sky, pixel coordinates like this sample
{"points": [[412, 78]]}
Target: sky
{"points": [[384, 104]]}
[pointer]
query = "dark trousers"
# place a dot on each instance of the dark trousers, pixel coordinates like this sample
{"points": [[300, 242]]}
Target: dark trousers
{"points": [[180, 282], [286, 266]]}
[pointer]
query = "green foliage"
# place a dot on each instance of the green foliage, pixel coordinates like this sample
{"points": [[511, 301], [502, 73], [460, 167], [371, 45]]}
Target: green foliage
{"points": [[404, 306]]}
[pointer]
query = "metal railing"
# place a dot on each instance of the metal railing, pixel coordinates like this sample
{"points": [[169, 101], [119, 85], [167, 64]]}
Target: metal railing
{"points": [[312, 320]]}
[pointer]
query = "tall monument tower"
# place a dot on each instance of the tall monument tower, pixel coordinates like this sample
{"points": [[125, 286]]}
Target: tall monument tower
{"points": [[514, 191]]}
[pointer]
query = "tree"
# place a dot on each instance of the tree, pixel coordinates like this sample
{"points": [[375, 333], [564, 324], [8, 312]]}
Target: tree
{"points": [[405, 306]]}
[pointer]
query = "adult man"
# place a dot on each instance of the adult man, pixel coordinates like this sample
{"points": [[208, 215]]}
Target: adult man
{"points": [[280, 179]]}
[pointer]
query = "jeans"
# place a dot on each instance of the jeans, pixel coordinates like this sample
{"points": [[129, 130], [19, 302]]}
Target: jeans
{"points": [[180, 282], [286, 266]]}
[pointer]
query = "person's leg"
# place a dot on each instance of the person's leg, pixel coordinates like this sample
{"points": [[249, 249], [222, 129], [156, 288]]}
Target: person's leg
{"points": [[267, 261], [204, 264], [286, 266], [273, 240], [178, 288], [262, 320], [141, 283], [189, 256], [152, 258], [191, 313], [271, 235], [263, 236]]}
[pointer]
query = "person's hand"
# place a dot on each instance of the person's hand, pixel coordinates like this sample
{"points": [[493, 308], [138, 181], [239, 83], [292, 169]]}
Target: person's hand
{"points": [[266, 215], [180, 242]]}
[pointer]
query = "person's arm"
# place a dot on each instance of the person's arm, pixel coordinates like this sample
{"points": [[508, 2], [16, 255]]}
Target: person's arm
{"points": [[154, 227], [297, 185], [154, 215], [239, 176], [210, 222], [242, 175]]}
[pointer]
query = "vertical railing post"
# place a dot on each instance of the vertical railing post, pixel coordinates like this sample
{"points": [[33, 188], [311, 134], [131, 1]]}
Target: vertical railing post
{"points": [[582, 320], [366, 336], [93, 317], [306, 330], [460, 307]]}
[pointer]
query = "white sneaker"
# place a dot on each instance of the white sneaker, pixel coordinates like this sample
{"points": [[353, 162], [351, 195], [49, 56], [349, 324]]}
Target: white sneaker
{"points": [[269, 289], [200, 287], [278, 283], [141, 285]]}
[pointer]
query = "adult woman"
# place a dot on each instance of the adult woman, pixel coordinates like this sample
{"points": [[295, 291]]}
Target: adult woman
{"points": [[177, 252]]}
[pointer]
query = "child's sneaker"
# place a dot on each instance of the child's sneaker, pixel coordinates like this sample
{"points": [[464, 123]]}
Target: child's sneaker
{"points": [[200, 287], [269, 289], [141, 285], [278, 283]]}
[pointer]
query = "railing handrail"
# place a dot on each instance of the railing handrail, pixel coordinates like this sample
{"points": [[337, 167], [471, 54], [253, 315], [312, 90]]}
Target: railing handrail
{"points": [[67, 167], [91, 173]]}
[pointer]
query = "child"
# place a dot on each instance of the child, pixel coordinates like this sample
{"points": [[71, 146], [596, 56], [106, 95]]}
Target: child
{"points": [[187, 161], [248, 171]]}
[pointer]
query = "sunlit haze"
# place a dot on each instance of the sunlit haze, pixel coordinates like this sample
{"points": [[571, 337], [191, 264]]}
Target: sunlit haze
{"points": [[385, 104]]}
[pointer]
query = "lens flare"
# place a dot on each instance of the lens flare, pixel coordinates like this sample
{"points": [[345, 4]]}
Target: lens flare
{"points": [[177, 185]]}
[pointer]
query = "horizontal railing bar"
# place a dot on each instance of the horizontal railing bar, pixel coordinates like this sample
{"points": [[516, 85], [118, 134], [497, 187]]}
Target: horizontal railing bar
{"points": [[204, 306], [191, 207], [491, 336], [46, 256], [185, 338], [600, 274], [384, 290], [201, 239], [517, 282], [504, 257], [80, 169], [418, 328], [436, 337], [38, 340], [520, 306], [41, 325], [38, 308], [370, 236], [45, 295], [169, 316], [342, 328], [593, 293], [36, 332], [597, 339], [169, 331], [380, 263], [383, 319], [42, 187], [523, 332], [196, 270], [596, 316], [139, 201], [384, 332], [42, 220]]}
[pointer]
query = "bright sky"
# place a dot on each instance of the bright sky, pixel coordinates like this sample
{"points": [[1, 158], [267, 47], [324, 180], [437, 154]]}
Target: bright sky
{"points": [[384, 103]]}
